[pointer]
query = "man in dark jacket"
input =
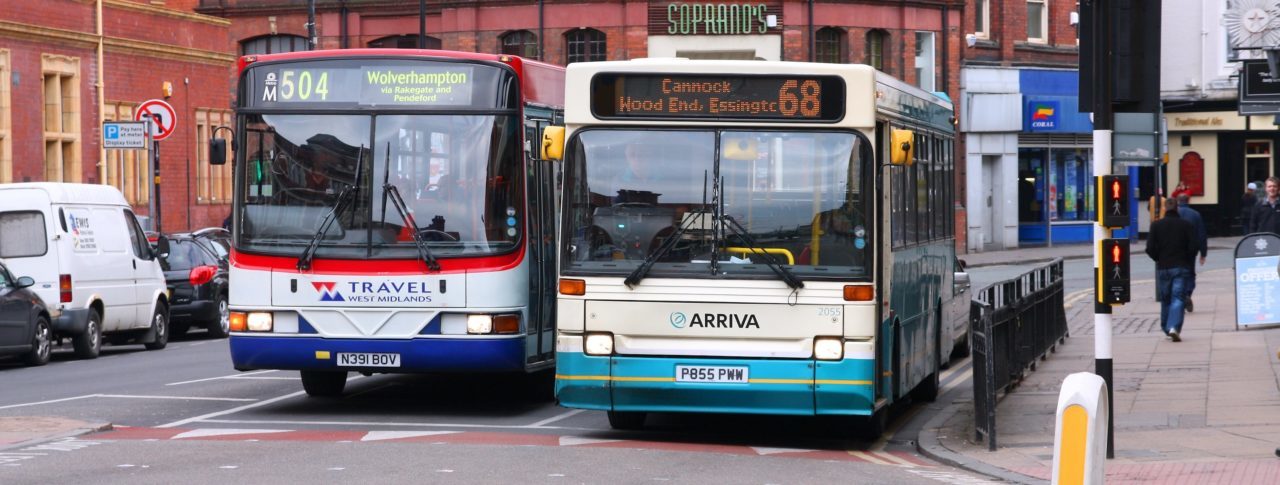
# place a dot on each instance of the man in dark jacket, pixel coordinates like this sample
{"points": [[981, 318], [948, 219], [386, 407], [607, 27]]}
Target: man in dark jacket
{"points": [[1172, 244], [1202, 241], [1266, 215]]}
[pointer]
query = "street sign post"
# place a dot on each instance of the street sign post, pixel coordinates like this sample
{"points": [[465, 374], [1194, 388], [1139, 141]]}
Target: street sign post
{"points": [[124, 134], [162, 120]]}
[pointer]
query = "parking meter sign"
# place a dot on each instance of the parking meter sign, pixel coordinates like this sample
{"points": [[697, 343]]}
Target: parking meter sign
{"points": [[124, 134]]}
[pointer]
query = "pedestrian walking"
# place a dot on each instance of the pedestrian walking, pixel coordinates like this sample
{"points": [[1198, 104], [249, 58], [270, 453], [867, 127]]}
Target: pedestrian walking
{"points": [[1247, 201], [1202, 242], [1171, 242], [1266, 214]]}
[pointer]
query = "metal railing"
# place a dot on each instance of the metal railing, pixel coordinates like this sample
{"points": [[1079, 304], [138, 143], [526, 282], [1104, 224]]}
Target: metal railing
{"points": [[1013, 324]]}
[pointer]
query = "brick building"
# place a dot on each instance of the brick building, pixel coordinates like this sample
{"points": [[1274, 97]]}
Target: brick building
{"points": [[1027, 148], [904, 38], [68, 65]]}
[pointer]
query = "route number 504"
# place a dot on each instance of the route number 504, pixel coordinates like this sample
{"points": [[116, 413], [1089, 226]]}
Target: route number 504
{"points": [[304, 86]]}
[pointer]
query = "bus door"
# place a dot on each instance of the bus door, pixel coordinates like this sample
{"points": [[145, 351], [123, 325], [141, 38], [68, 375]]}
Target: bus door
{"points": [[542, 195]]}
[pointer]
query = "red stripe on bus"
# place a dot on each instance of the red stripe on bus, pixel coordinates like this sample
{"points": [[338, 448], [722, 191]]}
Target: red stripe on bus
{"points": [[289, 264]]}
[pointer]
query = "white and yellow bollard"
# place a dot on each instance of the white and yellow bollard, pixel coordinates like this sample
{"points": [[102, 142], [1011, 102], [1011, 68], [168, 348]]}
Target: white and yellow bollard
{"points": [[1080, 440]]}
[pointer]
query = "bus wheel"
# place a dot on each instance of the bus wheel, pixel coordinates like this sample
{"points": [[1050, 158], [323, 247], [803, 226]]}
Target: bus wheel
{"points": [[323, 384], [626, 420], [869, 428], [927, 390]]}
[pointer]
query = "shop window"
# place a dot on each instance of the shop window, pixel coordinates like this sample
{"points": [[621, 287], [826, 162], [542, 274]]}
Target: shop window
{"points": [[274, 44], [61, 89], [213, 182], [6, 122], [584, 45], [1055, 184], [521, 43], [876, 41], [1037, 21], [828, 45], [407, 41], [126, 169]]}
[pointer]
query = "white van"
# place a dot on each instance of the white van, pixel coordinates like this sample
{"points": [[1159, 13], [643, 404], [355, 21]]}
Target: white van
{"points": [[91, 262]]}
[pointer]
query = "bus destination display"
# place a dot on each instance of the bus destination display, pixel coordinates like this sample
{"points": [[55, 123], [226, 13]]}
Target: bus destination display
{"points": [[777, 98], [353, 84]]}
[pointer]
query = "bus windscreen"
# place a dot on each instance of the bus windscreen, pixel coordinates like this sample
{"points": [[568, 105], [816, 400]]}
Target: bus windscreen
{"points": [[795, 98], [374, 83]]}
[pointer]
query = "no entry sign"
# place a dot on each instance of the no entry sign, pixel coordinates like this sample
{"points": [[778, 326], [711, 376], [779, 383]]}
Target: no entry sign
{"points": [[162, 117]]}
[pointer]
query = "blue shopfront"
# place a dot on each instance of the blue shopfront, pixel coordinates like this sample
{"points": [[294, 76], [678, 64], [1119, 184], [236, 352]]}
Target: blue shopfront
{"points": [[1055, 161]]}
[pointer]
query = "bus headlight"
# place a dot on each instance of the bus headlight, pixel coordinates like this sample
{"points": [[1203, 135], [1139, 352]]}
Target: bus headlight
{"points": [[598, 344], [479, 324], [259, 321], [828, 348]]}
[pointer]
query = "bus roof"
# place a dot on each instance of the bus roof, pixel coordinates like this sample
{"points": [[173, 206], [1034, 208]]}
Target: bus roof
{"points": [[542, 82]]}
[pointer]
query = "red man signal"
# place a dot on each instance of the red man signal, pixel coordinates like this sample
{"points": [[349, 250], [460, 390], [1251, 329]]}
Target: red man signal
{"points": [[1113, 273], [1113, 200]]}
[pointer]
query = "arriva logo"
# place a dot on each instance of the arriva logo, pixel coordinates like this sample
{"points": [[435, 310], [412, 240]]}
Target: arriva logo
{"points": [[678, 320], [327, 291]]}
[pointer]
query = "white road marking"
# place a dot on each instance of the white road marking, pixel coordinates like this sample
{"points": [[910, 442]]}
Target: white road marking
{"points": [[367, 423], [444, 471], [953, 477], [555, 418], [262, 378], [181, 398], [896, 459], [579, 441], [203, 417], [870, 458], [773, 451], [207, 432], [395, 435], [51, 401], [216, 378], [228, 467]]}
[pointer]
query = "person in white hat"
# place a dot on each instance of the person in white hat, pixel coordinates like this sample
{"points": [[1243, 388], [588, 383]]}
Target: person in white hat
{"points": [[1246, 207]]}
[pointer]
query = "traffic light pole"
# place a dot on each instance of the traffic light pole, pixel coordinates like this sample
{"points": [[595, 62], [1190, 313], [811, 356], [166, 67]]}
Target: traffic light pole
{"points": [[1103, 126]]}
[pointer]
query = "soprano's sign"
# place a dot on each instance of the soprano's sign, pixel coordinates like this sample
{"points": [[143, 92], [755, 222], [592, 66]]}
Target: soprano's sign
{"points": [[383, 83]]}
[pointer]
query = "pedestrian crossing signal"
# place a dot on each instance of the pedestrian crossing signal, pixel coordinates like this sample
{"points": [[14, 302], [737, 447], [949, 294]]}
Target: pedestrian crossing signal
{"points": [[1113, 200], [1113, 273]]}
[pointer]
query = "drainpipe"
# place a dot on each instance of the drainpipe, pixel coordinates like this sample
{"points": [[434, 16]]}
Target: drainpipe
{"points": [[311, 24], [422, 24], [102, 103], [810, 33], [541, 38], [946, 78], [344, 43]]}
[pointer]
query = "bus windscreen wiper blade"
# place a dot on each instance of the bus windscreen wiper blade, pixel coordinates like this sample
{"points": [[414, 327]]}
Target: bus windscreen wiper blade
{"points": [[344, 201], [777, 267], [423, 251], [669, 242]]}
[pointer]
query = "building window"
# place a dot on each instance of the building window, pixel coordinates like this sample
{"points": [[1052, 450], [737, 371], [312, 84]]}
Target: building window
{"points": [[273, 44], [126, 169], [407, 41], [61, 76], [6, 122], [828, 45], [1055, 184], [925, 63], [876, 40], [982, 19], [1257, 162], [520, 43], [213, 182], [1037, 20], [584, 45]]}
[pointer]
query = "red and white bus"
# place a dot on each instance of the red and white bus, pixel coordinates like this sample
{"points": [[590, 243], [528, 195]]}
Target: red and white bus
{"points": [[390, 214]]}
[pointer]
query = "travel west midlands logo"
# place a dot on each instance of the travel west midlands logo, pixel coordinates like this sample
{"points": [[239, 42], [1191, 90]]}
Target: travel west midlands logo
{"points": [[328, 291], [1043, 114]]}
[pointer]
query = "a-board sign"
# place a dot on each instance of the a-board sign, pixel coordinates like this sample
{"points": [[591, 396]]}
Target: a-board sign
{"points": [[124, 134], [1257, 274]]}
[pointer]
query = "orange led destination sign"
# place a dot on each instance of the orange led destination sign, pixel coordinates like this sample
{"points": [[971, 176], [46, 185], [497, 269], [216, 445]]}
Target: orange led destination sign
{"points": [[724, 97]]}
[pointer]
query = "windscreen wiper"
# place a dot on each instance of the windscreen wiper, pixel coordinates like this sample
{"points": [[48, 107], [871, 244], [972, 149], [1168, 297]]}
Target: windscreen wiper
{"points": [[669, 242], [777, 267], [423, 251], [345, 199]]}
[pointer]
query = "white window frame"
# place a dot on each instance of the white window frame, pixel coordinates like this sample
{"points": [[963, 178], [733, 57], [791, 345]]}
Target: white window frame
{"points": [[983, 16], [1044, 22], [929, 72]]}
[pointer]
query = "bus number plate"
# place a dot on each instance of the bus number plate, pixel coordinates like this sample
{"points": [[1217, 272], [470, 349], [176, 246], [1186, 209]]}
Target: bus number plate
{"points": [[707, 373], [368, 360]]}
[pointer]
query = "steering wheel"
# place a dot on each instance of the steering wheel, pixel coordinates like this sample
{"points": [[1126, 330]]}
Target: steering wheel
{"points": [[437, 234]]}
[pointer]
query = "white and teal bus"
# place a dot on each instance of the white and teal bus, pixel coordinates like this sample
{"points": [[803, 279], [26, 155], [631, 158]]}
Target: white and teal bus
{"points": [[751, 237]]}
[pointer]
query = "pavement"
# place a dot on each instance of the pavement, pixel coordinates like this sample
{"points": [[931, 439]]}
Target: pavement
{"points": [[1045, 254], [1204, 410], [21, 431]]}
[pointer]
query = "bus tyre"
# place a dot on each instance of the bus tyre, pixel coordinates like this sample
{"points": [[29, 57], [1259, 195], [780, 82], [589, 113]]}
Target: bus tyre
{"points": [[927, 390], [869, 428], [323, 384], [626, 420], [89, 343]]}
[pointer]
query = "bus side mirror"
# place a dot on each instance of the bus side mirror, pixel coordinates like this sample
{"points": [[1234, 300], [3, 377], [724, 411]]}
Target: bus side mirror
{"points": [[900, 147], [217, 151], [553, 143]]}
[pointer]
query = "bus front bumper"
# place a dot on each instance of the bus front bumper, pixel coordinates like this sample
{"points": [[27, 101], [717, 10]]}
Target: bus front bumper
{"points": [[648, 384], [257, 351]]}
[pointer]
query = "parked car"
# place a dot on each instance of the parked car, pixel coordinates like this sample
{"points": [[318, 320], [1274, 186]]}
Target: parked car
{"points": [[25, 330], [85, 250], [195, 269], [957, 311]]}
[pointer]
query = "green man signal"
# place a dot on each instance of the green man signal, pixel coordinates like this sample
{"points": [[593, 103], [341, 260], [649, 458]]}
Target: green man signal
{"points": [[1113, 201]]}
